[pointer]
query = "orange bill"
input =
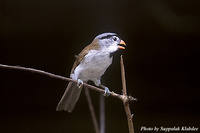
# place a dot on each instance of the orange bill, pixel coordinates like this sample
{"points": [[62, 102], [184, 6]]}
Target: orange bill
{"points": [[122, 45]]}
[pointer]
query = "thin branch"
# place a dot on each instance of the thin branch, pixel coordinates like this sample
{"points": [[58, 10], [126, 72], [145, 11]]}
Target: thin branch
{"points": [[91, 108], [102, 113], [49, 74], [126, 99], [113, 94], [123, 77]]}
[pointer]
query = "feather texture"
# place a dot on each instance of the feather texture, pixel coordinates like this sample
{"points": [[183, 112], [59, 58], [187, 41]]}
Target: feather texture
{"points": [[72, 92], [90, 64]]}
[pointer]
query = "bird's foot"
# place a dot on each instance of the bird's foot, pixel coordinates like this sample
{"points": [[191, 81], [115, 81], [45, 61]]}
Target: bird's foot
{"points": [[80, 83], [107, 92]]}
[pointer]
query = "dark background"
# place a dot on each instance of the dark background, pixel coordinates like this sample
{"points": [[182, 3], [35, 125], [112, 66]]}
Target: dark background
{"points": [[161, 62]]}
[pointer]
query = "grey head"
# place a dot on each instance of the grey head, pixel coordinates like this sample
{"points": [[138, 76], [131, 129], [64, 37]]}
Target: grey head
{"points": [[109, 41]]}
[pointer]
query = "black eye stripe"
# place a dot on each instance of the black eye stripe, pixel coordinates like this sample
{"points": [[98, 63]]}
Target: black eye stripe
{"points": [[108, 36]]}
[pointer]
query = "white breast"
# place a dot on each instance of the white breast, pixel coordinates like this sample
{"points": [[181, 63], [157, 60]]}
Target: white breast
{"points": [[93, 66]]}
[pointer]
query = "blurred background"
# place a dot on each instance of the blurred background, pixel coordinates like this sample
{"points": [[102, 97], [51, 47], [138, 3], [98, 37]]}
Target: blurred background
{"points": [[161, 61]]}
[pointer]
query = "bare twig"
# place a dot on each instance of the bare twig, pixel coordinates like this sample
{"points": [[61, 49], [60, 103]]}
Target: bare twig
{"points": [[113, 94], [91, 108], [102, 113], [50, 75], [126, 99]]}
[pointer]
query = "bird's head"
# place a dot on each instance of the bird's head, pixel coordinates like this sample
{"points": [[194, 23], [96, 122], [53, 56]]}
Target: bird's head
{"points": [[110, 42]]}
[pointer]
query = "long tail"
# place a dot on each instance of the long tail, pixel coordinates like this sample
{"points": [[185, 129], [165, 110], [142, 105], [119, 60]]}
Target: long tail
{"points": [[69, 98]]}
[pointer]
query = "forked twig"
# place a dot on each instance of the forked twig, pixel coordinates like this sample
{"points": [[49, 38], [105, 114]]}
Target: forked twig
{"points": [[58, 77], [126, 98]]}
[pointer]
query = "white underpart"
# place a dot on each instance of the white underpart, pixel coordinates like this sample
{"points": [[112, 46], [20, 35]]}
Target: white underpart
{"points": [[93, 66]]}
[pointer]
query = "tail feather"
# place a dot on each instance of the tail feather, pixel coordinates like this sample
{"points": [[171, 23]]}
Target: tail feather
{"points": [[69, 98]]}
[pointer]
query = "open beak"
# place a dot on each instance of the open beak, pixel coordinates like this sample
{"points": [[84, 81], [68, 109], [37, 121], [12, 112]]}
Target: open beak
{"points": [[121, 45]]}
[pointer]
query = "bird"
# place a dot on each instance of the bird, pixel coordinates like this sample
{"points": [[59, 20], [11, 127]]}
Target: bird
{"points": [[90, 65]]}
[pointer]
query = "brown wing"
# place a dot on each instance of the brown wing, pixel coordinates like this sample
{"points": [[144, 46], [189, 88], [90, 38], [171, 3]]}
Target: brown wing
{"points": [[93, 46]]}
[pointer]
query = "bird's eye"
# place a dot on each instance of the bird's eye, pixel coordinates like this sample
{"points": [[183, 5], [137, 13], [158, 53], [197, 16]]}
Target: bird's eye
{"points": [[115, 38]]}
